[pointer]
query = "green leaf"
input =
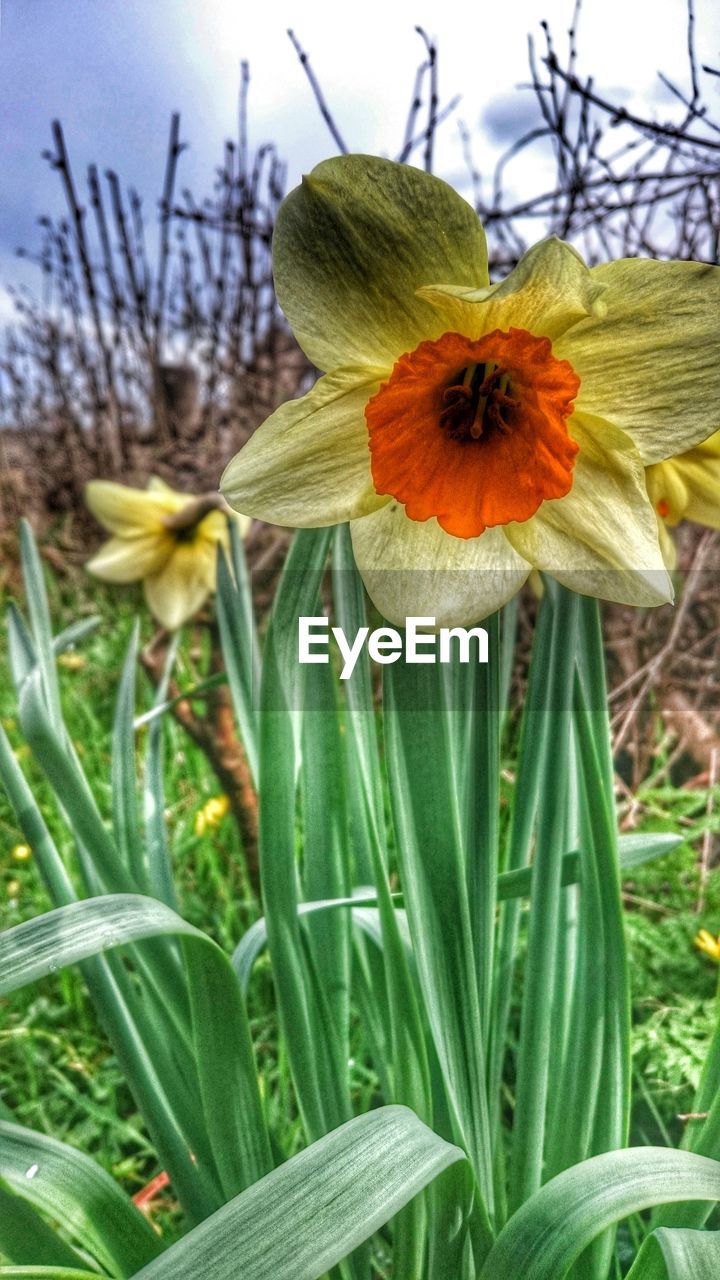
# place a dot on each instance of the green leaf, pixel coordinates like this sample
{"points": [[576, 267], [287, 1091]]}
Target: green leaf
{"points": [[21, 650], [364, 914], [679, 1254], [36, 596], [643, 846], [239, 642], [75, 632], [318, 1067], [45, 1273], [431, 857], [25, 1237], [232, 1111], [71, 1189], [156, 842], [126, 827], [326, 862], [551, 1229], [314, 1210], [559, 610]]}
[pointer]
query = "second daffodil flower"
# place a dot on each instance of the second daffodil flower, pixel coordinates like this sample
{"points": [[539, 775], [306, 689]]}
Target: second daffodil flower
{"points": [[472, 432], [165, 539], [686, 488]]}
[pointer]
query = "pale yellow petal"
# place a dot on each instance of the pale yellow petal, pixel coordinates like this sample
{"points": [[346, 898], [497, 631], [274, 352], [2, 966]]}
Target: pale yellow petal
{"points": [[651, 364], [352, 245], [413, 568], [309, 464], [214, 526], [183, 585], [667, 546], [550, 290], [667, 489], [127, 511], [701, 476], [156, 485], [129, 559], [602, 538]]}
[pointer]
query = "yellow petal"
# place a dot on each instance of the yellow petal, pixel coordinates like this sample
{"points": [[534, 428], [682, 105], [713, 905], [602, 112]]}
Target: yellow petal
{"points": [[181, 587], [602, 538], [667, 546], [309, 464], [127, 511], [701, 477], [129, 559], [413, 568], [156, 485], [549, 290], [667, 489], [651, 365], [354, 243]]}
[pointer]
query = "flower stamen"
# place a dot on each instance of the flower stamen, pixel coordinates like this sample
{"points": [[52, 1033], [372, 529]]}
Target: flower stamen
{"points": [[477, 403]]}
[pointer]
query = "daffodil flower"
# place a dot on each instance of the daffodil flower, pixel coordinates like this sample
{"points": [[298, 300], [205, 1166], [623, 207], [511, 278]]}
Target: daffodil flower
{"points": [[166, 539], [472, 432], [687, 488]]}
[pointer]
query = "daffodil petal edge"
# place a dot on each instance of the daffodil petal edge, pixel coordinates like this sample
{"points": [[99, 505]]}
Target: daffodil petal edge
{"points": [[352, 245], [651, 364], [550, 290], [308, 465], [413, 568], [601, 539]]}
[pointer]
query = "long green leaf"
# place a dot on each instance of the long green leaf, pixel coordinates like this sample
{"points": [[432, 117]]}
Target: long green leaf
{"points": [[679, 1254], [41, 627], [534, 732], [70, 1188], [553, 1228], [315, 1055], [314, 1210], [239, 642], [45, 1273], [126, 827], [156, 842], [326, 861], [22, 656], [225, 1061], [536, 1025], [433, 872], [25, 1237]]}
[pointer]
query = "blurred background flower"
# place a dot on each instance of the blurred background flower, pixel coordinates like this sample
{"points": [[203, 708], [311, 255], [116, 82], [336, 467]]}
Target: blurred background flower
{"points": [[165, 539], [686, 488]]}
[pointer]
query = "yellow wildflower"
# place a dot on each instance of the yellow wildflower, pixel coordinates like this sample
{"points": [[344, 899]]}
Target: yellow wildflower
{"points": [[167, 539], [72, 661], [211, 814], [13, 888], [707, 943], [21, 852], [472, 432]]}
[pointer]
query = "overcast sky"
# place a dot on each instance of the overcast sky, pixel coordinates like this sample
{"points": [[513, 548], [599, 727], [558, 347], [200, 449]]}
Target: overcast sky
{"points": [[113, 70]]}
